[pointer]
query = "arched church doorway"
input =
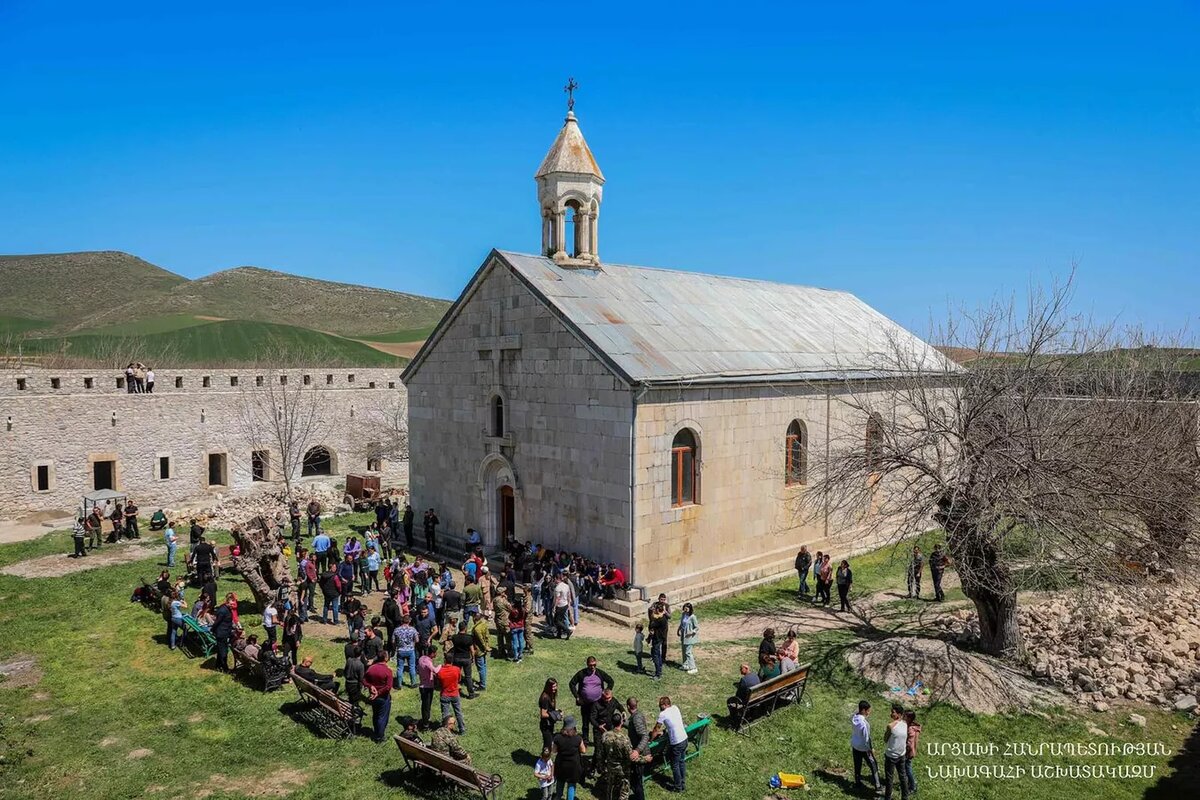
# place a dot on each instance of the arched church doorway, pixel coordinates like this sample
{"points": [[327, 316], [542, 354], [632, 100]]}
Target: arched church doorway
{"points": [[317, 461], [498, 496]]}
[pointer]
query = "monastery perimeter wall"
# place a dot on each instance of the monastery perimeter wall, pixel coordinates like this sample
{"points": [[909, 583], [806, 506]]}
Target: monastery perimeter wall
{"points": [[66, 421]]}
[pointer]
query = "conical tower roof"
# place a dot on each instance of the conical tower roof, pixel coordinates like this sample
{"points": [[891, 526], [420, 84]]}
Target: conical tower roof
{"points": [[570, 153]]}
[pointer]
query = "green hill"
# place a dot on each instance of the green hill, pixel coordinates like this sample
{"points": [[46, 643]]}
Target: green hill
{"points": [[212, 344], [104, 306], [67, 287], [267, 296]]}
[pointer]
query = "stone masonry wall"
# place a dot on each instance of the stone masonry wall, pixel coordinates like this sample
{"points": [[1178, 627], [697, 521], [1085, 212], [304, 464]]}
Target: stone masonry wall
{"points": [[745, 524], [565, 448], [70, 428]]}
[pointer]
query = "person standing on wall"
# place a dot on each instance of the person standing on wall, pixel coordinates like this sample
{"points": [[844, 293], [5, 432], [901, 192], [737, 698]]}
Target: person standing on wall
{"points": [[149, 380]]}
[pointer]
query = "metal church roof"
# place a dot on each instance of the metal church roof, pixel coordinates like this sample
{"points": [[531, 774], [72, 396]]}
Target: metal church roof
{"points": [[667, 326]]}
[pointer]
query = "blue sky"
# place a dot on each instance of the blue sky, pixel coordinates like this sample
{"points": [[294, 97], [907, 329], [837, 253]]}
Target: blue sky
{"points": [[911, 153]]}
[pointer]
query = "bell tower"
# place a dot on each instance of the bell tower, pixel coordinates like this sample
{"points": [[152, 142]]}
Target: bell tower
{"points": [[570, 186]]}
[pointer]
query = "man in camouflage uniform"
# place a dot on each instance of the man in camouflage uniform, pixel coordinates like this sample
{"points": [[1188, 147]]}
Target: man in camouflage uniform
{"points": [[613, 760], [444, 741], [503, 640]]}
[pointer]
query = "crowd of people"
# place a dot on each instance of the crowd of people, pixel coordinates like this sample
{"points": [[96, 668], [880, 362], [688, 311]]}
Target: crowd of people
{"points": [[438, 637]]}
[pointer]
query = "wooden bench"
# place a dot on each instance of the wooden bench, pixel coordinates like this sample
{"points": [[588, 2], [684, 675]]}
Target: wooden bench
{"points": [[336, 717], [418, 756], [271, 677], [697, 734], [195, 632], [766, 696]]}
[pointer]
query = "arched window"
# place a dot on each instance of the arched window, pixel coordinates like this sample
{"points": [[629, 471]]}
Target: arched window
{"points": [[684, 488], [497, 416], [874, 442], [317, 461], [796, 454], [575, 228]]}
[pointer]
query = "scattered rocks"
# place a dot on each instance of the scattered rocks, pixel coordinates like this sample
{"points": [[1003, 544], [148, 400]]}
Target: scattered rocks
{"points": [[1137, 719], [977, 683], [141, 752], [1141, 645]]}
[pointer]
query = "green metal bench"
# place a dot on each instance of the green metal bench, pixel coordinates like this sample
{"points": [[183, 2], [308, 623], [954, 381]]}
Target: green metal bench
{"points": [[198, 634], [697, 734]]}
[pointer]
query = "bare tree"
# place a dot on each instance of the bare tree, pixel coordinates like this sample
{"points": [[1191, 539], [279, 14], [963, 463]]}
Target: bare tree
{"points": [[1056, 436], [387, 429], [282, 417]]}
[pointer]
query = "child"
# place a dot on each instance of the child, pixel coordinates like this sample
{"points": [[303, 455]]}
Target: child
{"points": [[639, 639], [543, 770]]}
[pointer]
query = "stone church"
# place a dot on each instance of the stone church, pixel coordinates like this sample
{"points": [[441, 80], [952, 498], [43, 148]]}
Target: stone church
{"points": [[655, 418]]}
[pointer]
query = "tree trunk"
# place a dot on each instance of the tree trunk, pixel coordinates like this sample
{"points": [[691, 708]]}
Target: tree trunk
{"points": [[985, 579], [261, 562], [999, 630]]}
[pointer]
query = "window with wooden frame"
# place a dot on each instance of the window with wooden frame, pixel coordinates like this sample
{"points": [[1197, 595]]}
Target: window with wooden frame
{"points": [[795, 469], [684, 484]]}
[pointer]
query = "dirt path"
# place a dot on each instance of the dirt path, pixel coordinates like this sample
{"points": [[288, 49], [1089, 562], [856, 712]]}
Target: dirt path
{"points": [[33, 526], [60, 564]]}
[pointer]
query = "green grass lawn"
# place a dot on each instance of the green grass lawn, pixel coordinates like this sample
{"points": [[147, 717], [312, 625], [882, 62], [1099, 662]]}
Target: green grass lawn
{"points": [[224, 342], [111, 690]]}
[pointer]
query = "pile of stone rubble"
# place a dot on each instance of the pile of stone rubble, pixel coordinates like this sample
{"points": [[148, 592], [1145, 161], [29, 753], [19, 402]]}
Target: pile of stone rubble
{"points": [[1141, 645], [224, 511]]}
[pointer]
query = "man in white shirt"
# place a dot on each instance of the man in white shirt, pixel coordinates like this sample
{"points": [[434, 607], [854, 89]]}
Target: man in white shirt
{"points": [[270, 618], [149, 380], [893, 754], [562, 607], [860, 745], [670, 718]]}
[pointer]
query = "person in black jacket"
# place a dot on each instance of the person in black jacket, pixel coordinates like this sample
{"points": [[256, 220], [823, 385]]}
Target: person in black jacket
{"points": [[408, 525], [393, 617], [803, 562], [309, 674], [331, 590], [353, 673], [604, 713], [222, 631], [587, 687]]}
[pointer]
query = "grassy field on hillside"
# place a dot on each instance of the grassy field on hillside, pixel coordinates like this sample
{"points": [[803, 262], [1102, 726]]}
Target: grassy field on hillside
{"points": [[18, 325], [408, 335], [117, 715], [226, 342], [144, 327]]}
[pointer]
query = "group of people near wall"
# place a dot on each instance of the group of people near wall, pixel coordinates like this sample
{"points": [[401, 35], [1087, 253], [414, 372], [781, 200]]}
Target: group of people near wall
{"points": [[139, 379]]}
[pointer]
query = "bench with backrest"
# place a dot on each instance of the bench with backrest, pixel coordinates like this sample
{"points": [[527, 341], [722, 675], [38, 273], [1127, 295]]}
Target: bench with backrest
{"points": [[697, 734], [335, 716], [765, 697], [418, 756], [198, 635], [271, 675]]}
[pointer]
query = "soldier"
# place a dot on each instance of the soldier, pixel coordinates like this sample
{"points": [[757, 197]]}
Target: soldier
{"points": [[937, 566], [915, 565], [444, 741], [503, 639], [613, 760]]}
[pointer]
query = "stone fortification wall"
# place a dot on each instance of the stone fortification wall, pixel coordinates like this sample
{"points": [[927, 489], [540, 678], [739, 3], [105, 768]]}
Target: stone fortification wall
{"points": [[58, 428]]}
